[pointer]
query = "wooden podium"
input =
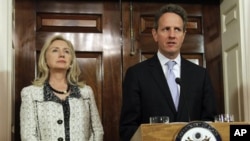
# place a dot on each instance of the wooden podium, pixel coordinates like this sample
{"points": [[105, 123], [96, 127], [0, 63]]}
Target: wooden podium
{"points": [[168, 132]]}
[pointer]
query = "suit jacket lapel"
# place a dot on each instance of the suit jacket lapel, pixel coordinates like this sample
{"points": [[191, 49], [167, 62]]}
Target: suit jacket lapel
{"points": [[159, 78], [183, 111]]}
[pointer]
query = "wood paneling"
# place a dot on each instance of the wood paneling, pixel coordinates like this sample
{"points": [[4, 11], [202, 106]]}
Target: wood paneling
{"points": [[64, 22], [138, 36], [94, 29], [108, 37], [147, 22]]}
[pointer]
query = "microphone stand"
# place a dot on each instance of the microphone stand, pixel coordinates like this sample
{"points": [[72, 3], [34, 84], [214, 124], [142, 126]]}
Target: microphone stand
{"points": [[178, 81]]}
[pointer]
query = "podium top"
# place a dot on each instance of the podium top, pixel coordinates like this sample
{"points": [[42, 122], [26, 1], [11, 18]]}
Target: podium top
{"points": [[168, 132]]}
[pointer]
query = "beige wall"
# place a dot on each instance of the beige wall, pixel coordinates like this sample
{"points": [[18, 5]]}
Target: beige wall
{"points": [[245, 35], [6, 64]]}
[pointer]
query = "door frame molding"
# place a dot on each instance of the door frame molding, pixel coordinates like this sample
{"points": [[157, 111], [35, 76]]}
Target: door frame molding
{"points": [[6, 70]]}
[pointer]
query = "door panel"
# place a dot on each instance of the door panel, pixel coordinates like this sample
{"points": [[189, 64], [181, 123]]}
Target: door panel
{"points": [[138, 37], [232, 58], [202, 44], [94, 29]]}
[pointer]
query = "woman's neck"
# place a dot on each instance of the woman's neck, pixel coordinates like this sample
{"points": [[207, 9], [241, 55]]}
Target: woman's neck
{"points": [[59, 84]]}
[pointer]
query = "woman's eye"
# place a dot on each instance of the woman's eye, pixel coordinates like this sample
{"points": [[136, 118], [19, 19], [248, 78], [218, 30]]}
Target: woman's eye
{"points": [[54, 50], [67, 51]]}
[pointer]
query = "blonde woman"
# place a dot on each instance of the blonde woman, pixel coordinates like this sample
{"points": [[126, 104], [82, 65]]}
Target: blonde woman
{"points": [[57, 107]]}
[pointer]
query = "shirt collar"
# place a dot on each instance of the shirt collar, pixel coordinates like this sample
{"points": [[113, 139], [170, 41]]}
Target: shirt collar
{"points": [[164, 60], [50, 96]]}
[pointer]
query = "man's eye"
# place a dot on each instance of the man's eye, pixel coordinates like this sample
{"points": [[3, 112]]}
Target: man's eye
{"points": [[178, 30], [165, 29]]}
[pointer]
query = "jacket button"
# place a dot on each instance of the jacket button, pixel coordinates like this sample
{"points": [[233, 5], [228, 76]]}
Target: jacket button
{"points": [[59, 121], [60, 139]]}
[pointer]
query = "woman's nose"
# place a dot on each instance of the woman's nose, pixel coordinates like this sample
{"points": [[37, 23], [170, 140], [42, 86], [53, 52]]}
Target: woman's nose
{"points": [[62, 54]]}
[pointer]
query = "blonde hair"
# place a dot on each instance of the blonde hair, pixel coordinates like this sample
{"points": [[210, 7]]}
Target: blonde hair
{"points": [[43, 71]]}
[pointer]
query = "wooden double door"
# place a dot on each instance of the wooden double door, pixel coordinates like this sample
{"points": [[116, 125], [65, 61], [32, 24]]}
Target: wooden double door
{"points": [[109, 37]]}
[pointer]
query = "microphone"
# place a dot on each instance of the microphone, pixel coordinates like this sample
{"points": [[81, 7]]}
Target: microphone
{"points": [[178, 81]]}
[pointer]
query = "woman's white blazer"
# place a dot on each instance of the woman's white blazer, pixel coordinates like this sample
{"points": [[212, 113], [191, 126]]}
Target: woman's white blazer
{"points": [[43, 120]]}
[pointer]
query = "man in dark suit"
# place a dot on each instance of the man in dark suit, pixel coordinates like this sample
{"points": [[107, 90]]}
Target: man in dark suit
{"points": [[146, 92]]}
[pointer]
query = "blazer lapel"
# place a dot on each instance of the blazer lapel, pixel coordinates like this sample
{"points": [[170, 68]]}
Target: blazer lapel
{"points": [[183, 110], [159, 77]]}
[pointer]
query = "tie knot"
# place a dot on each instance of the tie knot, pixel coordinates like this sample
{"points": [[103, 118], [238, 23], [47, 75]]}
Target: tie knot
{"points": [[171, 64]]}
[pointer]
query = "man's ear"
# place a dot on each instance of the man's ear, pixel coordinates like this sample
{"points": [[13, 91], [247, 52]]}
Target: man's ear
{"points": [[154, 33]]}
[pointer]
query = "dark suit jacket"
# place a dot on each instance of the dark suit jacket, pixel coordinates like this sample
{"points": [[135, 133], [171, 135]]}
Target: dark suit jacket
{"points": [[146, 93]]}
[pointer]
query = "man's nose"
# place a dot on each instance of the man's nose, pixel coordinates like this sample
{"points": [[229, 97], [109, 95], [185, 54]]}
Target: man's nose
{"points": [[172, 33]]}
